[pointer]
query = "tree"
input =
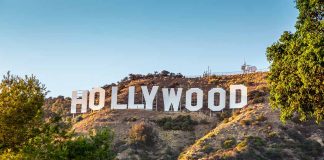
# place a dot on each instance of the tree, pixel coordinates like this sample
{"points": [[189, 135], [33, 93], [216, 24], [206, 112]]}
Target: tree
{"points": [[98, 145], [141, 134], [164, 73], [21, 101], [297, 65], [27, 133]]}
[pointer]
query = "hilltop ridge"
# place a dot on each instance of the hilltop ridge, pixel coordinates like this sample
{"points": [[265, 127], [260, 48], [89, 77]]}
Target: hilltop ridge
{"points": [[230, 134]]}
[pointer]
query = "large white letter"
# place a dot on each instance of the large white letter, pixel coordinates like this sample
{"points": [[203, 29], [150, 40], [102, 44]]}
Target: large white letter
{"points": [[101, 98], [114, 99], [211, 99], [171, 98], [83, 101], [233, 95], [131, 99], [200, 97], [149, 98]]}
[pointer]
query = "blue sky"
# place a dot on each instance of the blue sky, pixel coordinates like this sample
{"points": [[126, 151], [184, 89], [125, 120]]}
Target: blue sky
{"points": [[81, 44]]}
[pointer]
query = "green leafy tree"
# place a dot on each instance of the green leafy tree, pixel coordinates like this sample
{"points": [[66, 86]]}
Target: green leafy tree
{"points": [[297, 65], [50, 142], [21, 101], [96, 146], [27, 133]]}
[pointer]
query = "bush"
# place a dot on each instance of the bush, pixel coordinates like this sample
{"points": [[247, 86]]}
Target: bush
{"points": [[258, 100], [261, 118], [131, 119], [165, 73], [312, 148], [213, 81], [78, 118], [207, 149], [258, 96], [203, 121], [256, 141], [242, 145], [251, 141], [257, 93], [273, 153], [246, 122], [273, 135], [96, 146], [292, 133], [181, 122], [141, 134], [229, 143], [10, 155], [224, 114]]}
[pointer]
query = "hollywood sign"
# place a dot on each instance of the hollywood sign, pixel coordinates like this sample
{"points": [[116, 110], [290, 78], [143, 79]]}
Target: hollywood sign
{"points": [[171, 99]]}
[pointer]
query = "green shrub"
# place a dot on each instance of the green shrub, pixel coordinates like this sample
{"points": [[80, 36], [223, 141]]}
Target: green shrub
{"points": [[259, 95], [273, 153], [292, 133], [229, 143], [258, 100], [242, 145], [252, 141], [98, 145], [312, 148], [256, 141], [181, 122], [224, 114], [207, 149], [250, 155], [10, 155], [272, 135], [131, 119]]}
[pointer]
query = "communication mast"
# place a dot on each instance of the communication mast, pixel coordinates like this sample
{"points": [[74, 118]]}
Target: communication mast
{"points": [[207, 73]]}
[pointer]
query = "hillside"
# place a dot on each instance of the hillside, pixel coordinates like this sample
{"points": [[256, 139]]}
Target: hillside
{"points": [[251, 133], [256, 133]]}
